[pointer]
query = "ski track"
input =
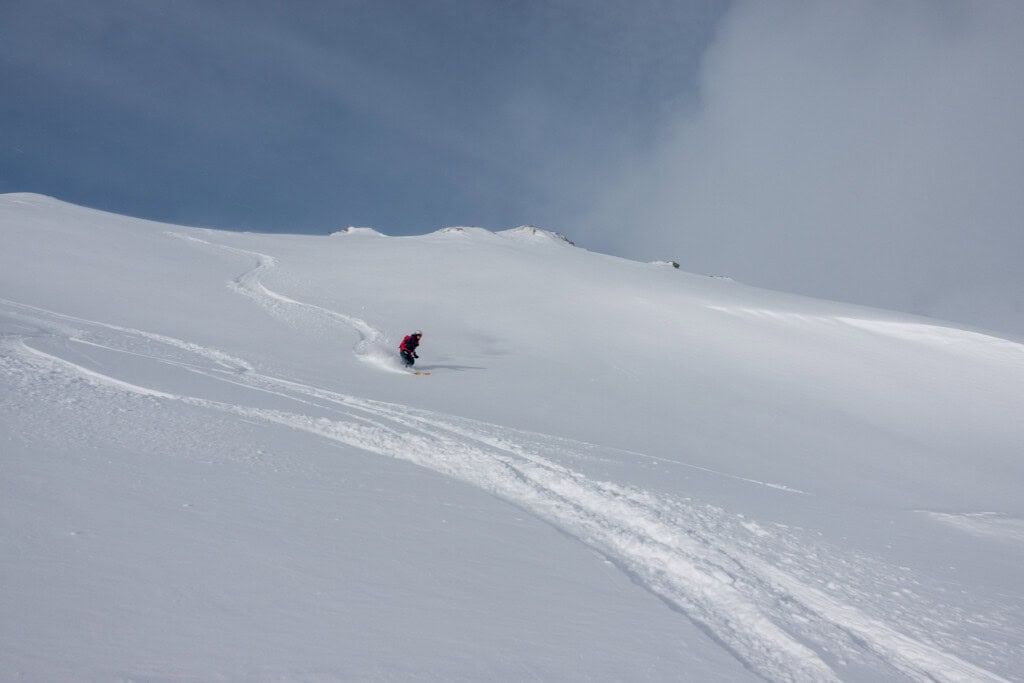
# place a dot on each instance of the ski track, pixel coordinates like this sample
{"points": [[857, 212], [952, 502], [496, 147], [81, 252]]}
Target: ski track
{"points": [[372, 346], [782, 604]]}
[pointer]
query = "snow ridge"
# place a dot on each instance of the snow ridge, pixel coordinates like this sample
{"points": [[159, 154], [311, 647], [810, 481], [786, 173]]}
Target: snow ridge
{"points": [[534, 233]]}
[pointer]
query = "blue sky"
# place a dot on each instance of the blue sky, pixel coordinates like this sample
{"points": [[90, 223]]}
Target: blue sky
{"points": [[861, 150], [317, 114]]}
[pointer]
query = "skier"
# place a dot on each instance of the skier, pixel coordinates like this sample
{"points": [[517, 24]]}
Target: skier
{"points": [[407, 348]]}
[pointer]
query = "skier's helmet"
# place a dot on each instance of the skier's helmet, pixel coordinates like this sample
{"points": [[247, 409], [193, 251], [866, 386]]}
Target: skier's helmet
{"points": [[418, 333]]}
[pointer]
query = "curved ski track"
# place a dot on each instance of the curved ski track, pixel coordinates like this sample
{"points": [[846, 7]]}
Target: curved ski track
{"points": [[787, 607], [370, 346]]}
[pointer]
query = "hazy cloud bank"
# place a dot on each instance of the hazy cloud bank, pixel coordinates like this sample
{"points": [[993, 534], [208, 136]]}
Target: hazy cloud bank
{"points": [[863, 151]]}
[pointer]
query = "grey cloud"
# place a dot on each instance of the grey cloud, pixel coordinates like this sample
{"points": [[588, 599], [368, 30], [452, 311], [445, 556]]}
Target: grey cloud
{"points": [[870, 152]]}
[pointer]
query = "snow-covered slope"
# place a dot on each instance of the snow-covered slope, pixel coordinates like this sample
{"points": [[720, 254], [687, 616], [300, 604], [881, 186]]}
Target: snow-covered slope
{"points": [[213, 467]]}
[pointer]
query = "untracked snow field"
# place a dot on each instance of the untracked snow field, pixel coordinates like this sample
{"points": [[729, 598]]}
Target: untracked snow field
{"points": [[213, 466]]}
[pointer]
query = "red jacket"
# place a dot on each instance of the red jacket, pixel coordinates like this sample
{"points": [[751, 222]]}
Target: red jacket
{"points": [[410, 343]]}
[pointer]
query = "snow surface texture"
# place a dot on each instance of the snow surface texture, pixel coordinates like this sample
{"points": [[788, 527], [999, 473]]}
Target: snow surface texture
{"points": [[215, 468]]}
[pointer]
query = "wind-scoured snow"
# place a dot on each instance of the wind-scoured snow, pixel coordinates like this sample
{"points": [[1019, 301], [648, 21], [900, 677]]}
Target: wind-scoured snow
{"points": [[216, 467]]}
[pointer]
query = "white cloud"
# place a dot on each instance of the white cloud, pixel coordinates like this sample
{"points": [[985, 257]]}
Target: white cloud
{"points": [[867, 151]]}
